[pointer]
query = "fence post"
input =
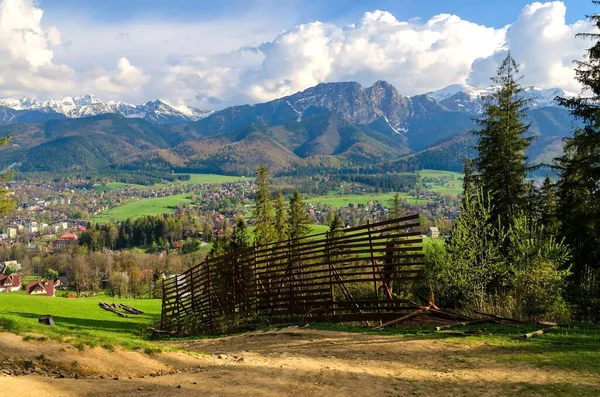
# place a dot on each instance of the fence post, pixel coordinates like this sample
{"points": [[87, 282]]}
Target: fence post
{"points": [[210, 297], [177, 303], [331, 290], [373, 265], [233, 260], [164, 307]]}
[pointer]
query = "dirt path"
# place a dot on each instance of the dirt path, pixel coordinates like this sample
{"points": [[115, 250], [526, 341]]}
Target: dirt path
{"points": [[288, 362]]}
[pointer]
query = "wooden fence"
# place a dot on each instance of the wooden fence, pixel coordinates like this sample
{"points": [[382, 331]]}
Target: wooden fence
{"points": [[353, 274]]}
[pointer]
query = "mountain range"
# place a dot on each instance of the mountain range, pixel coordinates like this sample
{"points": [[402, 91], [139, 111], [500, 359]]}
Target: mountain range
{"points": [[325, 128], [20, 110]]}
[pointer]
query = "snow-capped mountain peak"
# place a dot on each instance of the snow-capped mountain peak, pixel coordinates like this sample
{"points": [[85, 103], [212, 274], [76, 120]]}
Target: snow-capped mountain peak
{"points": [[156, 111], [462, 97]]}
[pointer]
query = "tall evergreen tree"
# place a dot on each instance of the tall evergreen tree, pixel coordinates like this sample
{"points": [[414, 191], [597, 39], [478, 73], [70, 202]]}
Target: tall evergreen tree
{"points": [[396, 211], [280, 221], [579, 182], [502, 143], [298, 220], [549, 208], [239, 238], [264, 231], [469, 180]]}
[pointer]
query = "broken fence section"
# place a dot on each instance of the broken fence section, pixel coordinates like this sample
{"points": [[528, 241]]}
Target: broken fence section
{"points": [[347, 275]]}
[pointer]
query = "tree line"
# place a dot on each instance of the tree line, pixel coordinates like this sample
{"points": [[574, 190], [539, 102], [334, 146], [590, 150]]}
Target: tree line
{"points": [[524, 250]]}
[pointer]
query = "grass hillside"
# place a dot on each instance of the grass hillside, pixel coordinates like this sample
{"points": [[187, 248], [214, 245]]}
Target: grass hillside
{"points": [[80, 321], [143, 207]]}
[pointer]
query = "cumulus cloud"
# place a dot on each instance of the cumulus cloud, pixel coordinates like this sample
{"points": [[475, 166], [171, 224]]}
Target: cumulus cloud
{"points": [[212, 64], [414, 56], [127, 77], [26, 56], [543, 44]]}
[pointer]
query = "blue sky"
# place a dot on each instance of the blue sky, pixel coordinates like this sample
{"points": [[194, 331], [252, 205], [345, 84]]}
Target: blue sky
{"points": [[495, 13], [212, 54]]}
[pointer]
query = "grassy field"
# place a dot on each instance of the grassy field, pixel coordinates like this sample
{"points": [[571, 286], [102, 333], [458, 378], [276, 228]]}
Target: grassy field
{"points": [[450, 182], [109, 187], [80, 321], [200, 179], [143, 207], [341, 201]]}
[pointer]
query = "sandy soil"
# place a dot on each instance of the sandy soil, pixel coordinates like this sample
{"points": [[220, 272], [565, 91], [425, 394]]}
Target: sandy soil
{"points": [[287, 362]]}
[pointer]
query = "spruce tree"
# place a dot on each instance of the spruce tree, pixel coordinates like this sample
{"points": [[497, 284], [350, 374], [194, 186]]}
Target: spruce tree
{"points": [[239, 238], [396, 211], [264, 231], [7, 203], [502, 143], [549, 208], [280, 221], [579, 166], [298, 220]]}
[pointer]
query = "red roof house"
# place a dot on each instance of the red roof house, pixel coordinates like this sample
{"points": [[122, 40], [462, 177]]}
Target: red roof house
{"points": [[41, 288], [10, 283], [65, 240]]}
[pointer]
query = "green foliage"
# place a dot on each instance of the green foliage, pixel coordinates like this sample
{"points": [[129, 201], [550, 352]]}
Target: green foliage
{"points": [[396, 211], [240, 238], [190, 245], [7, 203], [474, 273], [264, 231], [586, 294], [280, 221], [578, 186], [298, 221], [501, 145], [539, 272], [50, 274], [477, 266]]}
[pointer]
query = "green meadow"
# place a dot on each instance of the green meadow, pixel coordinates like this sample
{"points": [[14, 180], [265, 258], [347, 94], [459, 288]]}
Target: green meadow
{"points": [[143, 207], [79, 321], [200, 179], [343, 200], [451, 181]]}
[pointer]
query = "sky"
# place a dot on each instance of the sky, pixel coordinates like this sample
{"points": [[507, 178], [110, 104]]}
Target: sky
{"points": [[213, 54]]}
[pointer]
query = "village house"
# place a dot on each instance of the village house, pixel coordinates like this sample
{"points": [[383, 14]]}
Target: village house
{"points": [[11, 232], [66, 240], [14, 265], [61, 282], [433, 232], [40, 288], [10, 283]]}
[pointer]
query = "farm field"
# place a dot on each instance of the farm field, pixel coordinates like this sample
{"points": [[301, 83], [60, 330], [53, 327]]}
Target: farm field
{"points": [[449, 182], [143, 207], [200, 179], [109, 187], [340, 201]]}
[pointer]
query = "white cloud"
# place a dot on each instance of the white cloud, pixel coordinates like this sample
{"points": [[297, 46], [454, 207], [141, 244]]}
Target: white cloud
{"points": [[543, 44], [233, 60], [126, 78], [26, 56]]}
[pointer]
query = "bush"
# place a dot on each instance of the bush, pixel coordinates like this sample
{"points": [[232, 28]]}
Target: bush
{"points": [[587, 295], [526, 280]]}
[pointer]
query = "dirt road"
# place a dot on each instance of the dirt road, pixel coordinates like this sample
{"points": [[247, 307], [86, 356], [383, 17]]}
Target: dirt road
{"points": [[287, 362]]}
